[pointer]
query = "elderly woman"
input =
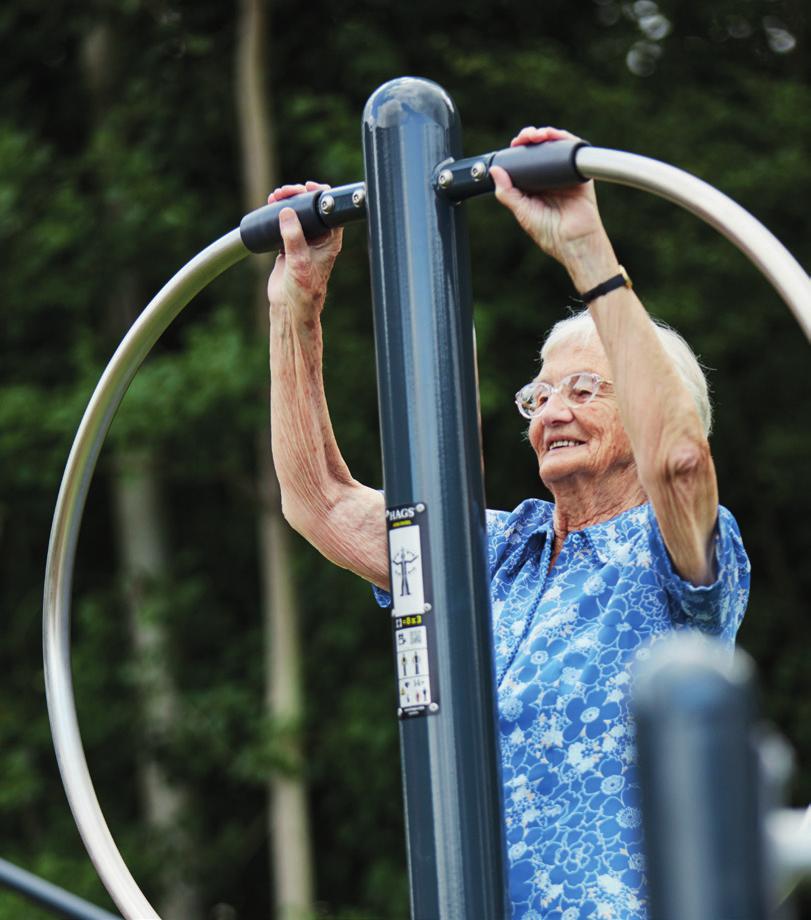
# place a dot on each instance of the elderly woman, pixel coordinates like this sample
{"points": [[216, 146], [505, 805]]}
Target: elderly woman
{"points": [[634, 545]]}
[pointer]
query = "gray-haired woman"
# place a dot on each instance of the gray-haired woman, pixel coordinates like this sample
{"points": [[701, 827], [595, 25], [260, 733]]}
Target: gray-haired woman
{"points": [[633, 546]]}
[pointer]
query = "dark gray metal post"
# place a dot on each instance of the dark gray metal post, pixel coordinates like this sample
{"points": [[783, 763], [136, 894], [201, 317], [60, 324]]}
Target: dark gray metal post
{"points": [[698, 761], [435, 495]]}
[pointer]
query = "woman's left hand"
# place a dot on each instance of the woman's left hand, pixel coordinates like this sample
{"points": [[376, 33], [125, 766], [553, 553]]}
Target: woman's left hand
{"points": [[563, 222]]}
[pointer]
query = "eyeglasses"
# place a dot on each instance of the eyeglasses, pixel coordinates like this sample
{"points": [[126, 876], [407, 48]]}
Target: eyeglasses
{"points": [[576, 390]]}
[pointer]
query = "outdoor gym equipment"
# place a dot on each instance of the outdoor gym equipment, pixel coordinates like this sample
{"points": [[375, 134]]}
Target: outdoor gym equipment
{"points": [[415, 178]]}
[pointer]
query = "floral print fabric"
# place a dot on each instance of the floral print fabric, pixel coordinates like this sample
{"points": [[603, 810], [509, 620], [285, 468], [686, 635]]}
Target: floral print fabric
{"points": [[565, 642]]}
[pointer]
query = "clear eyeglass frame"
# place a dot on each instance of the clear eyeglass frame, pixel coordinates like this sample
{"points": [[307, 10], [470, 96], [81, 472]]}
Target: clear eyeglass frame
{"points": [[576, 390]]}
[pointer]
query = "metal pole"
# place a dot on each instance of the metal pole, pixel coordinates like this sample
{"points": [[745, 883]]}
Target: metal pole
{"points": [[699, 773], [48, 895], [435, 508]]}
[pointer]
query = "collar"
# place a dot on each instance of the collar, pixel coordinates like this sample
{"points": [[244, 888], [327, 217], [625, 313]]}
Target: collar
{"points": [[608, 537], [533, 523], [528, 533]]}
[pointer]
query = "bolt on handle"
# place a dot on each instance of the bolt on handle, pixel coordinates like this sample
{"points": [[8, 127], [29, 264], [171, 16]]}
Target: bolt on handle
{"points": [[318, 213], [533, 168]]}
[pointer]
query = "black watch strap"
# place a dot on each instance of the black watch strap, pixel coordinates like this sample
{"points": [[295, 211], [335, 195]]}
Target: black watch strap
{"points": [[618, 281]]}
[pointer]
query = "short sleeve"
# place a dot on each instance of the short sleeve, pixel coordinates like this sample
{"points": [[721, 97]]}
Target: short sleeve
{"points": [[715, 609], [496, 538], [382, 596]]}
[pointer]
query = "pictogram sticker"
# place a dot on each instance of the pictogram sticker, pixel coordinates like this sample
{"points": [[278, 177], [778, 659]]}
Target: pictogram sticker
{"points": [[412, 610]]}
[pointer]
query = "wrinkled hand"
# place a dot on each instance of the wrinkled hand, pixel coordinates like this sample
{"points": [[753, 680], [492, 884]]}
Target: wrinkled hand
{"points": [[561, 221], [300, 275]]}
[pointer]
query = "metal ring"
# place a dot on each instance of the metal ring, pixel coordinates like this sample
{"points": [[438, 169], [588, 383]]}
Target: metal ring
{"points": [[106, 398], [764, 250]]}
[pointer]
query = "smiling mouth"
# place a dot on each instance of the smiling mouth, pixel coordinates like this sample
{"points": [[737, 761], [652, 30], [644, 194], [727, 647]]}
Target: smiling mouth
{"points": [[560, 445]]}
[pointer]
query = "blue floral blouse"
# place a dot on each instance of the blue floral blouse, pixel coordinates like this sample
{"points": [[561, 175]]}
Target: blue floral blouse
{"points": [[565, 642]]}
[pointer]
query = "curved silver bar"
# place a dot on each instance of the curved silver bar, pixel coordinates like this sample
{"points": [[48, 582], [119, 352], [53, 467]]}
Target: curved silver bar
{"points": [[730, 219], [109, 392]]}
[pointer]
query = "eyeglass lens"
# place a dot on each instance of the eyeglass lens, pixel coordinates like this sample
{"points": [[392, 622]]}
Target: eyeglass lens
{"points": [[577, 389]]}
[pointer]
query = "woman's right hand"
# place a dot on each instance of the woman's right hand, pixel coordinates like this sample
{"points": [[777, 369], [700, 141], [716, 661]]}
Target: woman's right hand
{"points": [[563, 222], [300, 275]]}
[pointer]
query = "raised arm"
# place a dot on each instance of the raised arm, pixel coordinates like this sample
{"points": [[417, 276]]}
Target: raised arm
{"points": [[340, 517], [670, 448]]}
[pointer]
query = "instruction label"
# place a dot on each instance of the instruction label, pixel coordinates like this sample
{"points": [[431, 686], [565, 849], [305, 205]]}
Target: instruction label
{"points": [[412, 610]]}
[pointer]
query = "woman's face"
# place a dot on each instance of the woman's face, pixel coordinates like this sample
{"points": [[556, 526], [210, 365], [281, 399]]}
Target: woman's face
{"points": [[600, 445]]}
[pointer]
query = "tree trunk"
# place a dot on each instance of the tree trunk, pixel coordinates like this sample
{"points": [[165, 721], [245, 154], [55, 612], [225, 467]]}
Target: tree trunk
{"points": [[142, 549], [140, 537], [288, 824]]}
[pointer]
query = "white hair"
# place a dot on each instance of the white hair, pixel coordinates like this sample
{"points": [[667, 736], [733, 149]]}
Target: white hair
{"points": [[579, 329]]}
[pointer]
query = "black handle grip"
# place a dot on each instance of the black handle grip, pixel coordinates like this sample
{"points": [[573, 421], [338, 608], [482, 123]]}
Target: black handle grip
{"points": [[260, 229], [534, 168]]}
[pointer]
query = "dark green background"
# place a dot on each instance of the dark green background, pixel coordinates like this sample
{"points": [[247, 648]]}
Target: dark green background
{"points": [[724, 94]]}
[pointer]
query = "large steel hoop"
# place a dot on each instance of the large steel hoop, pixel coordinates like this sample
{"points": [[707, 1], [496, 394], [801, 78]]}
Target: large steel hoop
{"points": [[706, 202], [98, 416]]}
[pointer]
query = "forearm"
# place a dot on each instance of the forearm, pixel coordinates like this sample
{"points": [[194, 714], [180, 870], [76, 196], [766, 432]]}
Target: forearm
{"points": [[303, 439], [658, 411], [343, 519]]}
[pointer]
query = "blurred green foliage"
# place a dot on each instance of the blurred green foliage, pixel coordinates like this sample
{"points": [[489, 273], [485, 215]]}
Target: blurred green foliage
{"points": [[719, 89]]}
